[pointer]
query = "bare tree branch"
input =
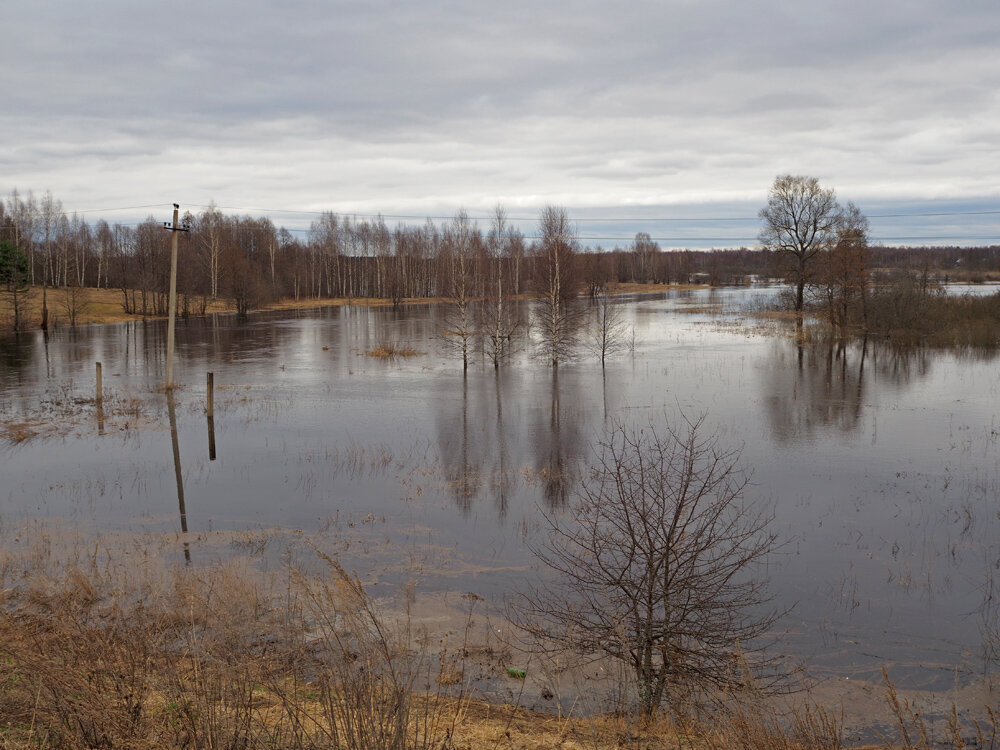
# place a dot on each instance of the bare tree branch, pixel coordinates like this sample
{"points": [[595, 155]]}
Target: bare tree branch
{"points": [[655, 565]]}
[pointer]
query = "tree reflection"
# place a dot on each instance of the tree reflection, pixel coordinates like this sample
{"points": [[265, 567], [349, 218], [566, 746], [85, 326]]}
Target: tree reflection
{"points": [[814, 387], [482, 448], [499, 478], [557, 446], [460, 454]]}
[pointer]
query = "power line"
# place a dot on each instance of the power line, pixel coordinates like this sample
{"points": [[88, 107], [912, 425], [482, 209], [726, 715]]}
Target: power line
{"points": [[119, 208], [609, 220], [582, 219]]}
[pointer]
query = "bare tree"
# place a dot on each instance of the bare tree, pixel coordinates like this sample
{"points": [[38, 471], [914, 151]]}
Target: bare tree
{"points": [[50, 211], [608, 332], [645, 252], [74, 302], [557, 283], [461, 328], [846, 271], [500, 318], [655, 565], [209, 228], [800, 221]]}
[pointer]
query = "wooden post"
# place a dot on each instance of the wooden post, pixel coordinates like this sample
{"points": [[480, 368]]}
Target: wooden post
{"points": [[172, 301]]}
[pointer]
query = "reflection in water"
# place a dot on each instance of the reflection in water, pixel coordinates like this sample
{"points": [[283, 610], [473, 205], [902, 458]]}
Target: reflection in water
{"points": [[460, 456], [481, 447], [178, 476], [210, 413], [500, 480], [826, 385], [558, 445], [99, 396], [211, 437], [891, 535]]}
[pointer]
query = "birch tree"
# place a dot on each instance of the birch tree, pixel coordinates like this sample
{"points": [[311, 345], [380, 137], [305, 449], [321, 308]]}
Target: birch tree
{"points": [[557, 283]]}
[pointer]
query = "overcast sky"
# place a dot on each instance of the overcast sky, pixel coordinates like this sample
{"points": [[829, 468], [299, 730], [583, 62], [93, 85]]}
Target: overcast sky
{"points": [[670, 109]]}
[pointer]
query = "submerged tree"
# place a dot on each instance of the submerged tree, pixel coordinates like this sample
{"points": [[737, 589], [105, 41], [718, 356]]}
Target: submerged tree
{"points": [[460, 325], [557, 283], [500, 317], [800, 221], [655, 565], [846, 272], [607, 333]]}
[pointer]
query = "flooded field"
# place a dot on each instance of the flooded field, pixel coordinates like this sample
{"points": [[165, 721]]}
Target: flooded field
{"points": [[883, 469]]}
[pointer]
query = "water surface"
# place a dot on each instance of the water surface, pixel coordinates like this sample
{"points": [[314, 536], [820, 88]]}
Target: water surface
{"points": [[881, 467]]}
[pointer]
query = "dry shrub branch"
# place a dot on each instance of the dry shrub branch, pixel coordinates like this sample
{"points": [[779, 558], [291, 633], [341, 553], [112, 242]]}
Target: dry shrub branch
{"points": [[656, 566]]}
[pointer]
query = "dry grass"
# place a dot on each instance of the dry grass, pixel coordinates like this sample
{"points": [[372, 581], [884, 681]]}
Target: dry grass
{"points": [[217, 657], [63, 411], [391, 351], [135, 653], [20, 432], [105, 305], [92, 305]]}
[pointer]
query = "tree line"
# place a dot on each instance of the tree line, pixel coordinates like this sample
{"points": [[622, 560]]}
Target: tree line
{"points": [[250, 261]]}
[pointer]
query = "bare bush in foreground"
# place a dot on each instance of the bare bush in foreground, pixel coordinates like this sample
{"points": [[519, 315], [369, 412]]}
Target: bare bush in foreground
{"points": [[655, 566]]}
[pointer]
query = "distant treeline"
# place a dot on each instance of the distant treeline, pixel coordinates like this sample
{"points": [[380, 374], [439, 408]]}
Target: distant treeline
{"points": [[251, 261]]}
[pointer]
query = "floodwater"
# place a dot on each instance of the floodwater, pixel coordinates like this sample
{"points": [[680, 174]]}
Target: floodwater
{"points": [[882, 469]]}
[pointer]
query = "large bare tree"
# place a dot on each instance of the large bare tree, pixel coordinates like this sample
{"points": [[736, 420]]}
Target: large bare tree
{"points": [[655, 564], [800, 221]]}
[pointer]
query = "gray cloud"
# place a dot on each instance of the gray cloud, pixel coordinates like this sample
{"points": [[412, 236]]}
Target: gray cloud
{"points": [[433, 105]]}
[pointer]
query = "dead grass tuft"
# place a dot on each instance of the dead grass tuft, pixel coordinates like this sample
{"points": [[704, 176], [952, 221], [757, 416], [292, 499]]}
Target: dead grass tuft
{"points": [[391, 351], [19, 432]]}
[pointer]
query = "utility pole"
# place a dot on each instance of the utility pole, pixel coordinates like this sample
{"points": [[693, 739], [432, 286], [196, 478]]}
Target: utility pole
{"points": [[172, 304]]}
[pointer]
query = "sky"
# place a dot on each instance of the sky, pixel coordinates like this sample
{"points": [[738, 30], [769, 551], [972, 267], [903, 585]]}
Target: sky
{"points": [[661, 116]]}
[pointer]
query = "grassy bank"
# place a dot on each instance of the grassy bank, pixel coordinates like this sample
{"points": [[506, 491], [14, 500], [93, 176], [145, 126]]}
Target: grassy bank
{"points": [[121, 649], [87, 306]]}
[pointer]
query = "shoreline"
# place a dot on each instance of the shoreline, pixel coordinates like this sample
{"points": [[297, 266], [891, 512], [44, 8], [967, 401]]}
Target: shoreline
{"points": [[95, 306]]}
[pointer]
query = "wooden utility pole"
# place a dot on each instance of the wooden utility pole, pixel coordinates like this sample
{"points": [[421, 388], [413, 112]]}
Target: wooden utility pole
{"points": [[172, 303]]}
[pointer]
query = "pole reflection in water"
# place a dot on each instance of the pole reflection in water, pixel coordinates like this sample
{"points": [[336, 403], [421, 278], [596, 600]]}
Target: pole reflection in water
{"points": [[211, 438], [172, 414], [210, 411], [99, 398]]}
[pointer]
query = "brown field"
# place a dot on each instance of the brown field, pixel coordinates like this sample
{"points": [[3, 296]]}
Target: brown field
{"points": [[92, 306], [105, 305]]}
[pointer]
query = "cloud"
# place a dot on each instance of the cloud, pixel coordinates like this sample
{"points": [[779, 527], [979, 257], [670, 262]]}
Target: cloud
{"points": [[434, 105]]}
